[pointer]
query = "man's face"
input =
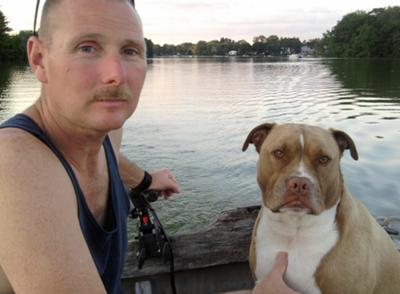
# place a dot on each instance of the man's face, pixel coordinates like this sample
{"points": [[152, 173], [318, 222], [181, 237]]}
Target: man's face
{"points": [[95, 63]]}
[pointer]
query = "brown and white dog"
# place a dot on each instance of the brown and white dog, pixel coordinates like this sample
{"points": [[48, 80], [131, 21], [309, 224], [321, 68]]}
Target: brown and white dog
{"points": [[334, 244]]}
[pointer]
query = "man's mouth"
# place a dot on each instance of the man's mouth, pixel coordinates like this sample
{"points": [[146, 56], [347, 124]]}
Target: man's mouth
{"points": [[111, 100]]}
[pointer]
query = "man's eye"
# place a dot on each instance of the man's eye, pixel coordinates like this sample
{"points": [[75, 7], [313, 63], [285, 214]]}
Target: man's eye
{"points": [[131, 51], [87, 49]]}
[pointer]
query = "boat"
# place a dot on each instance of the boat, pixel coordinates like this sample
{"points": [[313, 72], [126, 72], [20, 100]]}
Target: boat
{"points": [[211, 261]]}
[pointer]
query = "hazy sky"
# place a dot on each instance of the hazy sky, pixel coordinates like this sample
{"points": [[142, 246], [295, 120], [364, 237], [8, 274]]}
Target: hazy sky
{"points": [[178, 21]]}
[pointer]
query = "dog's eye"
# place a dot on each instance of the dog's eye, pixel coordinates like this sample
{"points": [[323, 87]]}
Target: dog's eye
{"points": [[324, 159], [278, 153]]}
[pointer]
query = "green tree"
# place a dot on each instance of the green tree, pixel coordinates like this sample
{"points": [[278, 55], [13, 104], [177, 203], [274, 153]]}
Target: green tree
{"points": [[225, 45], [317, 45], [201, 48], [341, 35], [149, 48], [273, 46], [157, 50], [396, 44], [363, 42], [185, 49], [290, 45], [362, 34], [213, 47], [4, 29], [18, 42], [386, 22], [259, 44], [169, 49], [243, 47], [4, 38]]}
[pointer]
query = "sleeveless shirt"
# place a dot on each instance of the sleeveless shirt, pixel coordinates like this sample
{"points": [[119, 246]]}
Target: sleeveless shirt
{"points": [[107, 244]]}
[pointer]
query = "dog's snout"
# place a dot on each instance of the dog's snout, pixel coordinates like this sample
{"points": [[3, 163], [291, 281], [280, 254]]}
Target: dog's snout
{"points": [[299, 185]]}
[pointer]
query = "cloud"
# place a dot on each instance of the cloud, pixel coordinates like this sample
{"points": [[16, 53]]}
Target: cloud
{"points": [[177, 21], [302, 23], [196, 6]]}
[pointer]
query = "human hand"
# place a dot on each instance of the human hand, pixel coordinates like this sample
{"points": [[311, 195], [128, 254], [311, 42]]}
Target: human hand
{"points": [[164, 181], [273, 283]]}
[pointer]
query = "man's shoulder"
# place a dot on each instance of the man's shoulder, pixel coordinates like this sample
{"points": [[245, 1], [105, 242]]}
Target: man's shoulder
{"points": [[26, 161], [31, 179], [16, 144], [13, 135]]}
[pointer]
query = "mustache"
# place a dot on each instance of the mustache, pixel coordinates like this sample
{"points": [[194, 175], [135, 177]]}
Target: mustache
{"points": [[116, 93]]}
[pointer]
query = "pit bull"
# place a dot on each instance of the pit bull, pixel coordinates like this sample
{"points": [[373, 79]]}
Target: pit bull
{"points": [[335, 246]]}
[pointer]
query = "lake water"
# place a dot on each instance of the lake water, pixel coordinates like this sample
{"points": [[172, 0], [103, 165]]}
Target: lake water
{"points": [[195, 113]]}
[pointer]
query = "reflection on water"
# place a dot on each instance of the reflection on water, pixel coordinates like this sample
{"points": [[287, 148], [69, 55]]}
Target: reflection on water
{"points": [[195, 113], [18, 89], [5, 75], [371, 78]]}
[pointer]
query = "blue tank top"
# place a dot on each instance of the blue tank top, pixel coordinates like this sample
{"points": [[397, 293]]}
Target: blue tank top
{"points": [[107, 244]]}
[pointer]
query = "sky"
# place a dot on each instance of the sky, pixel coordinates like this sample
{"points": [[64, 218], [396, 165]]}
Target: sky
{"points": [[179, 21]]}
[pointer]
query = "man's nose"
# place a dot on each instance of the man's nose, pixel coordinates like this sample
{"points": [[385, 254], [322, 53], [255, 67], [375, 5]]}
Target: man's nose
{"points": [[113, 70]]}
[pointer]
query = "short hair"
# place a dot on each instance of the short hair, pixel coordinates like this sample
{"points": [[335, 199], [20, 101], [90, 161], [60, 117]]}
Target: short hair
{"points": [[44, 28], [45, 24]]}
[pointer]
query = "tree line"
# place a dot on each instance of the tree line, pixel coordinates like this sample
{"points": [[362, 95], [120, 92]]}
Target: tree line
{"points": [[272, 45], [364, 34], [358, 34], [12, 47]]}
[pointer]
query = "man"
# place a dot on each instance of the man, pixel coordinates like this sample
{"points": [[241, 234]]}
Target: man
{"points": [[62, 206], [90, 61]]}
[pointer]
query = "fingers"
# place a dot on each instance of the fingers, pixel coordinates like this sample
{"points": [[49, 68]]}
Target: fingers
{"points": [[172, 177], [280, 264], [174, 188], [274, 282], [165, 181], [166, 194]]}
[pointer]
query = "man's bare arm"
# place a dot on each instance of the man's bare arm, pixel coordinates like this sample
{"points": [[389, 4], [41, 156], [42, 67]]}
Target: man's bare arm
{"points": [[130, 173], [42, 249]]}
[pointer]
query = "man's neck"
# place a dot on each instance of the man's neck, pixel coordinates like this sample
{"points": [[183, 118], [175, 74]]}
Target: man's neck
{"points": [[81, 147]]}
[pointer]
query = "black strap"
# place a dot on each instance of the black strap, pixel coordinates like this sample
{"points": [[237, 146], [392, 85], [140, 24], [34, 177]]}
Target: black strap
{"points": [[34, 22], [144, 184]]}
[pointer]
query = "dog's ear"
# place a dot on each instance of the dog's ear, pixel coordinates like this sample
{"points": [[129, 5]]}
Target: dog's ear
{"points": [[344, 142], [257, 136]]}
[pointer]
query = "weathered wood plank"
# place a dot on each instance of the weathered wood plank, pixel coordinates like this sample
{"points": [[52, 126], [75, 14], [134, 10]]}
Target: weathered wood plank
{"points": [[225, 242]]}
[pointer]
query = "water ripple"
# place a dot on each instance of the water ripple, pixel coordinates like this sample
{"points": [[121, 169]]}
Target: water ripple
{"points": [[194, 115]]}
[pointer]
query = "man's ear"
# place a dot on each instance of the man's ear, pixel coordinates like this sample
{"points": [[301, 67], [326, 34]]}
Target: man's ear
{"points": [[35, 51], [257, 136], [344, 142]]}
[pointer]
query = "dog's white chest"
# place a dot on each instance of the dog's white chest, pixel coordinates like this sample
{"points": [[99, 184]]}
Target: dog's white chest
{"points": [[306, 238]]}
